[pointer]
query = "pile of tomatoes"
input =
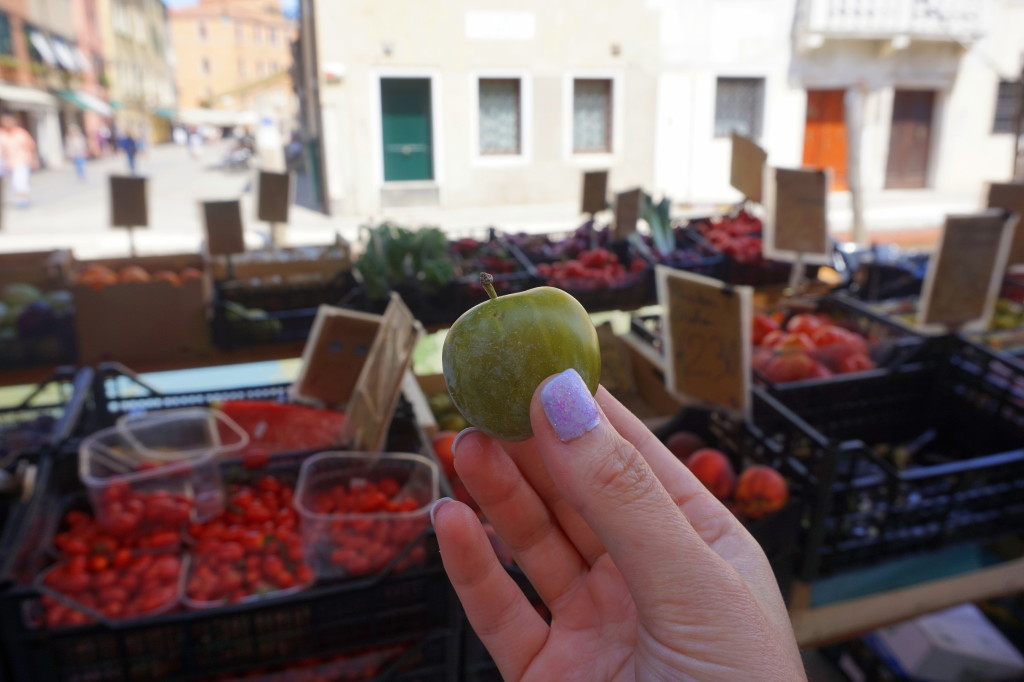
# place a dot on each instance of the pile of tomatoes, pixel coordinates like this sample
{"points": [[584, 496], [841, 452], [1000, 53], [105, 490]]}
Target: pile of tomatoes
{"points": [[592, 269], [126, 511], [120, 577], [254, 547], [806, 346], [738, 237], [382, 525]]}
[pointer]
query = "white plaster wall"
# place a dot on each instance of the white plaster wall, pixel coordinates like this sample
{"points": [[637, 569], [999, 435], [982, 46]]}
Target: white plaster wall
{"points": [[569, 37]]}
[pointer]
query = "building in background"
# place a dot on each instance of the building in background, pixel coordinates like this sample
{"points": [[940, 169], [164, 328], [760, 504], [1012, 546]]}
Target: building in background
{"points": [[139, 67], [23, 87], [507, 107], [234, 57], [457, 105], [97, 115]]}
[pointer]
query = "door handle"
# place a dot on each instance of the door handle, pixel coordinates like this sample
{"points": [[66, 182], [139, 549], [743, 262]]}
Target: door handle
{"points": [[406, 149]]}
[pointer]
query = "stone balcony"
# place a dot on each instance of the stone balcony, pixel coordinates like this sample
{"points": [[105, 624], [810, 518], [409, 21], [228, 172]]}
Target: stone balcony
{"points": [[897, 21]]}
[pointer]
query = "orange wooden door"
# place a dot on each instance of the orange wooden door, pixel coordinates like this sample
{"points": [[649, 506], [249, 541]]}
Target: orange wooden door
{"points": [[825, 134]]}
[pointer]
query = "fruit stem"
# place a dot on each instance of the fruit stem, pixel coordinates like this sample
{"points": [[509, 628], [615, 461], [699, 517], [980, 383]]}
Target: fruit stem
{"points": [[487, 281]]}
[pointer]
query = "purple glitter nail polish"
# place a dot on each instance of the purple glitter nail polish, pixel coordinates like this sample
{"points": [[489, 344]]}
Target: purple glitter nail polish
{"points": [[569, 407]]}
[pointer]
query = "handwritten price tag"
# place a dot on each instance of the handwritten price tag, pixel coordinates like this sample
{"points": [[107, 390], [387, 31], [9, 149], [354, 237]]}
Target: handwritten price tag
{"points": [[747, 171], [223, 220], [707, 338], [798, 219], [1010, 195], [964, 275], [627, 212]]}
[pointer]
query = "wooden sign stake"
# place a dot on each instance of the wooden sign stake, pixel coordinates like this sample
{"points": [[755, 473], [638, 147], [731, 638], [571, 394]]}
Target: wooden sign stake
{"points": [[131, 242]]}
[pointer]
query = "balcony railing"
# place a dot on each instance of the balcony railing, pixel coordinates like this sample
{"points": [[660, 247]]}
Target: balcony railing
{"points": [[957, 20]]}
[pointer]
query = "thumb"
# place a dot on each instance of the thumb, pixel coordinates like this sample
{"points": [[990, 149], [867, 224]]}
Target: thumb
{"points": [[608, 481]]}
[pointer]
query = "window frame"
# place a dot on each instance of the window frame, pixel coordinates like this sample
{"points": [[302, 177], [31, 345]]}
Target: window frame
{"points": [[758, 129], [204, 66], [525, 154], [6, 21], [201, 30], [617, 135], [999, 125]]}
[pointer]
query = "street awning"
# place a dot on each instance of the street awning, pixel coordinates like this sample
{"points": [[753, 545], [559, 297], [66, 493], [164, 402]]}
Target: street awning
{"points": [[64, 55], [13, 95], [170, 113], [42, 46], [84, 100]]}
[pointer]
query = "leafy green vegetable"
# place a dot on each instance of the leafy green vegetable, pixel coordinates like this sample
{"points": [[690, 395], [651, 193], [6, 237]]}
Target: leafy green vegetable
{"points": [[395, 256], [657, 217]]}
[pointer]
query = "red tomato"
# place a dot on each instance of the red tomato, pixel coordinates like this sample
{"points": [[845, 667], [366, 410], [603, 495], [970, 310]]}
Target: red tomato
{"points": [[830, 335], [790, 366], [795, 341], [98, 563], [858, 362], [763, 325], [803, 323], [772, 338]]}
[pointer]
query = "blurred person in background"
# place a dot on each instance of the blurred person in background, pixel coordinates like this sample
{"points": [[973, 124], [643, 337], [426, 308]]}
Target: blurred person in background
{"points": [[19, 155], [130, 147], [75, 148]]}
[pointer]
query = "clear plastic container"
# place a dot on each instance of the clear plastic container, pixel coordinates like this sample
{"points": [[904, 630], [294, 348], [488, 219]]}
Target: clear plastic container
{"points": [[364, 513], [171, 454]]}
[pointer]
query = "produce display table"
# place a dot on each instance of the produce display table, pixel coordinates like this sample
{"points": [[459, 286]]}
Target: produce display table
{"points": [[853, 602]]}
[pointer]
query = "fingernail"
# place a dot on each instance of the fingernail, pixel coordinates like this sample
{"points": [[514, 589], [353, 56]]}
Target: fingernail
{"points": [[437, 503], [463, 432], [569, 407]]}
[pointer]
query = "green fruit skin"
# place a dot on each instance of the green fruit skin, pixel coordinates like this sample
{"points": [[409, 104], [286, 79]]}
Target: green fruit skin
{"points": [[498, 352]]}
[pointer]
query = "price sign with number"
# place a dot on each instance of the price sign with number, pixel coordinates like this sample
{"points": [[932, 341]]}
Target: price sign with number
{"points": [[706, 327], [964, 275], [595, 192]]}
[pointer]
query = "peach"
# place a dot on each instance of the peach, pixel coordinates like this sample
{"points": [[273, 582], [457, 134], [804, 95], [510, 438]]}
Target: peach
{"points": [[133, 273], [682, 444], [714, 470], [760, 491]]}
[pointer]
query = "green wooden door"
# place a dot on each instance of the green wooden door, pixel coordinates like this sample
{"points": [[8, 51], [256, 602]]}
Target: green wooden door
{"points": [[405, 109]]}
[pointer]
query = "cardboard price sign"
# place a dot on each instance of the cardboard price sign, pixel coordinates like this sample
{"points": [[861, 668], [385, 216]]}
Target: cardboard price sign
{"points": [[273, 196], [369, 411], [799, 222], [627, 212], [595, 192], [706, 338], [223, 220], [1010, 196], [964, 275], [747, 171], [128, 205]]}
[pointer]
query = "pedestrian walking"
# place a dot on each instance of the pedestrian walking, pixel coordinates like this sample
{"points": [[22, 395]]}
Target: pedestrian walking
{"points": [[19, 153], [76, 149], [130, 147]]}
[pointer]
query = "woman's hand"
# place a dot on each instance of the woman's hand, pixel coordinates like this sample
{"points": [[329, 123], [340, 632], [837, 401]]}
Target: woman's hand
{"points": [[646, 574]]}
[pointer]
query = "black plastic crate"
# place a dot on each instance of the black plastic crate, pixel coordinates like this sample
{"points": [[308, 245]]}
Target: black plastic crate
{"points": [[328, 619], [288, 295], [54, 345], [39, 421], [964, 416]]}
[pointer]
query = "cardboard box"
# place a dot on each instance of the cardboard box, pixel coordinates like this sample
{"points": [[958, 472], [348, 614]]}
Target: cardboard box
{"points": [[954, 645], [47, 270], [143, 321]]}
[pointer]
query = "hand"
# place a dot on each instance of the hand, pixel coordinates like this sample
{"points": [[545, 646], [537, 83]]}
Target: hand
{"points": [[645, 573]]}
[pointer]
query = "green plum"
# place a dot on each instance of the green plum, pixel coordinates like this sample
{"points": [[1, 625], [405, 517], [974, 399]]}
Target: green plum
{"points": [[497, 353]]}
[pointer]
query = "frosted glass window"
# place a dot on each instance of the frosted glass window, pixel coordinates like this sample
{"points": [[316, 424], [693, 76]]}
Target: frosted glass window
{"points": [[739, 107], [499, 116], [592, 115]]}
